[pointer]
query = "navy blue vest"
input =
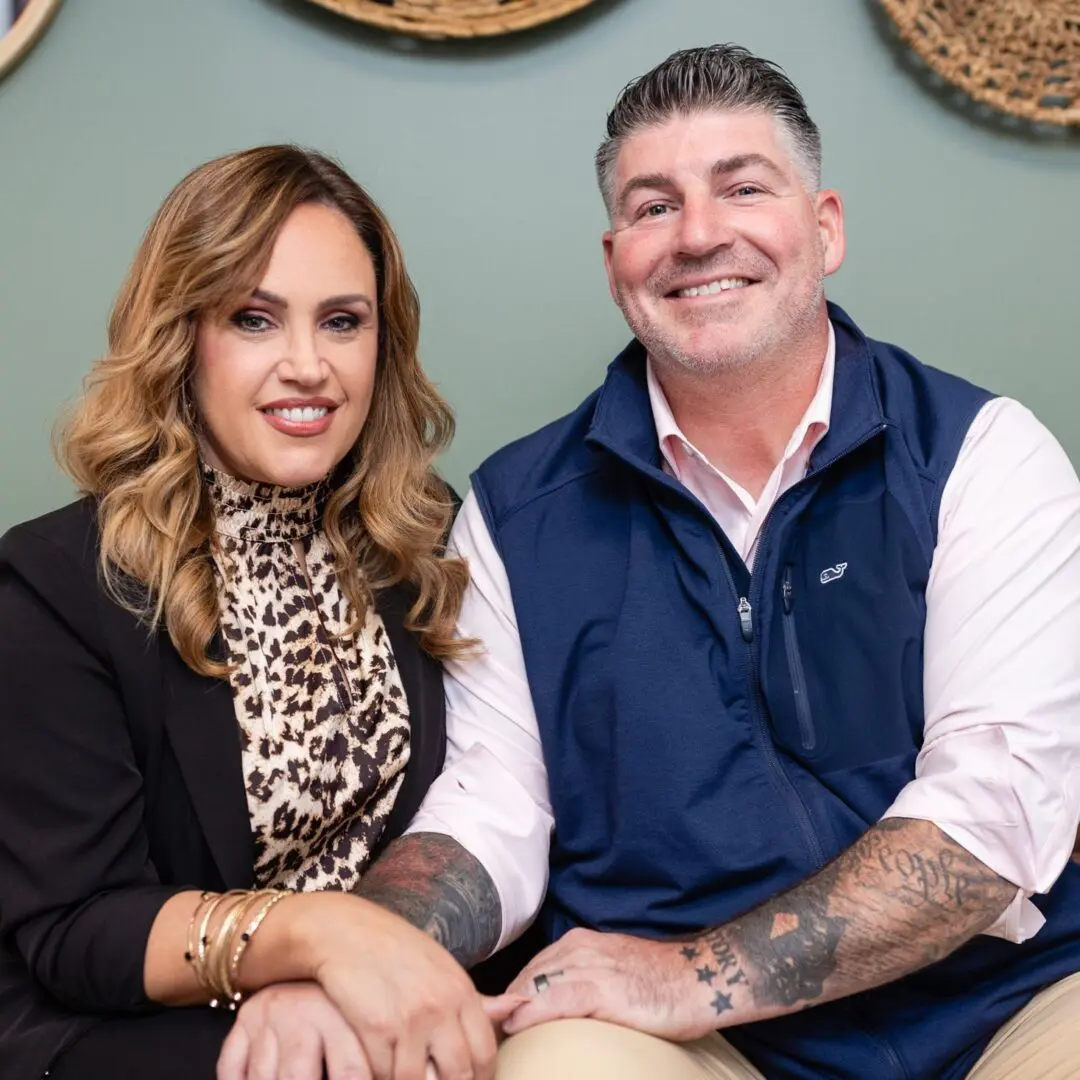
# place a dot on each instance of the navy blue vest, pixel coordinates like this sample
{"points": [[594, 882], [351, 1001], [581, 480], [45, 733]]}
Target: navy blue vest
{"points": [[713, 736]]}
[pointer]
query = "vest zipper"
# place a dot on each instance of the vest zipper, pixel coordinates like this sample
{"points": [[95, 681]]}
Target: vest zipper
{"points": [[757, 709], [807, 734], [746, 619]]}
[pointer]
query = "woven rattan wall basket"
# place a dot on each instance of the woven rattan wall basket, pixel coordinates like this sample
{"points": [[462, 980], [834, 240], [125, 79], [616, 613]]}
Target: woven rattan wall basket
{"points": [[453, 18], [1018, 56]]}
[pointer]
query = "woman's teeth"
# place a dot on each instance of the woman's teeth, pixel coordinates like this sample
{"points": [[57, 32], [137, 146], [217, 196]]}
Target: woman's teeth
{"points": [[300, 416], [714, 287]]}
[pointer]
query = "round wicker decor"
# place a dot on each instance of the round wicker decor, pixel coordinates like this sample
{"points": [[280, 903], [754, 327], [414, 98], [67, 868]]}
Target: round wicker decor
{"points": [[1019, 56], [453, 18]]}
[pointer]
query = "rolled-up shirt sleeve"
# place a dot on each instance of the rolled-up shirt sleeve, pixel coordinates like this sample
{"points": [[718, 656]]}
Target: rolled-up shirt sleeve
{"points": [[999, 769], [492, 795]]}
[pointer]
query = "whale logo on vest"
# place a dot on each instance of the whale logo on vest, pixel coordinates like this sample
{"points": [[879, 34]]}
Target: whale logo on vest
{"points": [[832, 573]]}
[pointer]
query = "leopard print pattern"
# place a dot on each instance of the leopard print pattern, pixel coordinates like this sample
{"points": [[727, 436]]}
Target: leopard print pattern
{"points": [[324, 721]]}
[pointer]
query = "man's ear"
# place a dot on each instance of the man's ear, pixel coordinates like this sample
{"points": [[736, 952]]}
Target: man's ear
{"points": [[830, 215], [608, 242]]}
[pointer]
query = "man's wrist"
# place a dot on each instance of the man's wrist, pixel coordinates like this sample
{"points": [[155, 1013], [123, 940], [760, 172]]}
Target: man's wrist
{"points": [[716, 981]]}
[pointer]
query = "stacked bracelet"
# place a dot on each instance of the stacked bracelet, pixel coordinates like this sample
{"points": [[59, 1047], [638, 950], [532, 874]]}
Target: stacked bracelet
{"points": [[215, 948], [265, 902]]}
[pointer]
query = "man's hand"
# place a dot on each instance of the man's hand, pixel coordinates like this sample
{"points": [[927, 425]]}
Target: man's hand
{"points": [[903, 896], [641, 984]]}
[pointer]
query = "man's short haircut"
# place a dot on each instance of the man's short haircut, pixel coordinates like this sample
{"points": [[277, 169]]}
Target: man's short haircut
{"points": [[711, 77]]}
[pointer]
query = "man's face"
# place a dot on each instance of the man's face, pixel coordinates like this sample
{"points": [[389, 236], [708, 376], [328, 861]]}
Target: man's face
{"points": [[717, 253]]}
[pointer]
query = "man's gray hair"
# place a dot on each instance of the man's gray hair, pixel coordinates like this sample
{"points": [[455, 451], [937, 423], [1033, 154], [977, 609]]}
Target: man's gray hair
{"points": [[713, 77]]}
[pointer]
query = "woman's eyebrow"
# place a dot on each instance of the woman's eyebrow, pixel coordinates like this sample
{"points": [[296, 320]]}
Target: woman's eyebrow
{"points": [[330, 301]]}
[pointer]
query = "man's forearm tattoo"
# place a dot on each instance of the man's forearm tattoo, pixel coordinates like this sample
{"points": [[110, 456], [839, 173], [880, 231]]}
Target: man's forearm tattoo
{"points": [[904, 896], [433, 882]]}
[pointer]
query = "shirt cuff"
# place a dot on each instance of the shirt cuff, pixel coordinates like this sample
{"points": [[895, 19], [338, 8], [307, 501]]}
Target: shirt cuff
{"points": [[964, 789], [1020, 921], [479, 803]]}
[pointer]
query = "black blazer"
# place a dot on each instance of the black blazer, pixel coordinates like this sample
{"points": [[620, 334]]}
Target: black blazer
{"points": [[120, 784]]}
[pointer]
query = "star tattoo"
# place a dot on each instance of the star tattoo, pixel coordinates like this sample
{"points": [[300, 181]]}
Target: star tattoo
{"points": [[706, 974], [722, 1003], [690, 952]]}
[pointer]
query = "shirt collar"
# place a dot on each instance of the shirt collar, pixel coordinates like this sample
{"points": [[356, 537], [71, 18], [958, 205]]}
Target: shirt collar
{"points": [[811, 428]]}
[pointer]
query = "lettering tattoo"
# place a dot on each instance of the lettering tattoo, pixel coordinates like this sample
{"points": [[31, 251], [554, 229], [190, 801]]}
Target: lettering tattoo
{"points": [[430, 880], [903, 896]]}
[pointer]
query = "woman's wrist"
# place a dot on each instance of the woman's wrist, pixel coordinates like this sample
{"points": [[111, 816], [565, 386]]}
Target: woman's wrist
{"points": [[306, 931]]}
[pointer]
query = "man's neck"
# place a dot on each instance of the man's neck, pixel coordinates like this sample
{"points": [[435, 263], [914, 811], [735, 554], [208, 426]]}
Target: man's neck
{"points": [[742, 420]]}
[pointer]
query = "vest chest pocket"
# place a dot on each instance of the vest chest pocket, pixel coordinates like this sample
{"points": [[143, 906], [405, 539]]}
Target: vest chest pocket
{"points": [[842, 669]]}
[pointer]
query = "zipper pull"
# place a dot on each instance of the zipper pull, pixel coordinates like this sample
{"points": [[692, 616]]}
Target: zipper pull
{"points": [[787, 591], [746, 619]]}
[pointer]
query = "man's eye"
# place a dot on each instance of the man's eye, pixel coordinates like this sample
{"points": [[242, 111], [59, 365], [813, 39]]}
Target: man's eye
{"points": [[341, 324], [747, 189], [654, 210], [251, 321]]}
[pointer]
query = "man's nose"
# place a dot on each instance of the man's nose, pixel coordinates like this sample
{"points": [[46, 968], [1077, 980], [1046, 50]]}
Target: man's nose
{"points": [[704, 226]]}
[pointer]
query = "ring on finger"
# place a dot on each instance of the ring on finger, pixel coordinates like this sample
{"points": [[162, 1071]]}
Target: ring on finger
{"points": [[542, 981]]}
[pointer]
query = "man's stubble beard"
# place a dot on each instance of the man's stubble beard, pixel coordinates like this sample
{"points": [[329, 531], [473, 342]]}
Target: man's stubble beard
{"points": [[665, 351]]}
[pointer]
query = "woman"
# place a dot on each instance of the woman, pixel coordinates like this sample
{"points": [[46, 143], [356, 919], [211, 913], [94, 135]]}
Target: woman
{"points": [[219, 668]]}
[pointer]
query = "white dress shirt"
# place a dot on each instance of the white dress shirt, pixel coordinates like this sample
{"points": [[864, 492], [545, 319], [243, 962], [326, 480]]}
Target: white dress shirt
{"points": [[999, 769]]}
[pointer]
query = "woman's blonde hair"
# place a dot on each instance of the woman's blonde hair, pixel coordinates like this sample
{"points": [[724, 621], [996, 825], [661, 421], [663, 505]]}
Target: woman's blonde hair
{"points": [[131, 441]]}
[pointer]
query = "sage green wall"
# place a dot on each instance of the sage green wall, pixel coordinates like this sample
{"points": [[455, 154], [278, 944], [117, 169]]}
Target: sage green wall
{"points": [[964, 238]]}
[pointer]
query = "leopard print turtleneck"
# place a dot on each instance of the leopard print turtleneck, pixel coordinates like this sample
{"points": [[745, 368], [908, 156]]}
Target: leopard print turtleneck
{"points": [[324, 721]]}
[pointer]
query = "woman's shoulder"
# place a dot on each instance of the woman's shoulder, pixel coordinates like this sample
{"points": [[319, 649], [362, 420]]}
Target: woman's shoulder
{"points": [[70, 533]]}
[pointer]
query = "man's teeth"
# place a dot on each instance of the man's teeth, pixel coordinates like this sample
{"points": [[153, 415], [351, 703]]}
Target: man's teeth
{"points": [[714, 287], [300, 416]]}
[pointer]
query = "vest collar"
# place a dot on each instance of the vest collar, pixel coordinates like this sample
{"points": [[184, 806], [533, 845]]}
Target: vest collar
{"points": [[623, 422]]}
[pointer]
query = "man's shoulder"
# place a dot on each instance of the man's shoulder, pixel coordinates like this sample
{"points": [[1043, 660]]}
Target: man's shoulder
{"points": [[913, 378], [932, 409], [539, 463]]}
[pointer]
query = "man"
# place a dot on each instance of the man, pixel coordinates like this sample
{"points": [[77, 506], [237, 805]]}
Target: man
{"points": [[794, 619]]}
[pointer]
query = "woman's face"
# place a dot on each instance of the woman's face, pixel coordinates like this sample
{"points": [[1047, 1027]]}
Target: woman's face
{"points": [[283, 384]]}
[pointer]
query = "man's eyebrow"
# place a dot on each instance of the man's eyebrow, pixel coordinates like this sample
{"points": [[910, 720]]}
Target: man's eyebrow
{"points": [[653, 181], [330, 301], [727, 166]]}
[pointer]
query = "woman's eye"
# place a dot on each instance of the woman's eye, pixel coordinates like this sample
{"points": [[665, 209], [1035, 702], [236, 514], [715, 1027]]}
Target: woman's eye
{"points": [[342, 324], [251, 321]]}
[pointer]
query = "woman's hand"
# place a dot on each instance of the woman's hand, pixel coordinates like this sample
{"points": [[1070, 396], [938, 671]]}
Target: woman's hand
{"points": [[405, 997], [291, 1030]]}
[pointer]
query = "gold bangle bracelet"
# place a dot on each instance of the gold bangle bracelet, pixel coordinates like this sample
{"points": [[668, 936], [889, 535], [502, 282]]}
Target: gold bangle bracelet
{"points": [[233, 972], [189, 953], [218, 954], [203, 940]]}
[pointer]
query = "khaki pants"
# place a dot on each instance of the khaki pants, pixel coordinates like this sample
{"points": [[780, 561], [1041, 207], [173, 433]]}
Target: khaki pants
{"points": [[1041, 1042]]}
